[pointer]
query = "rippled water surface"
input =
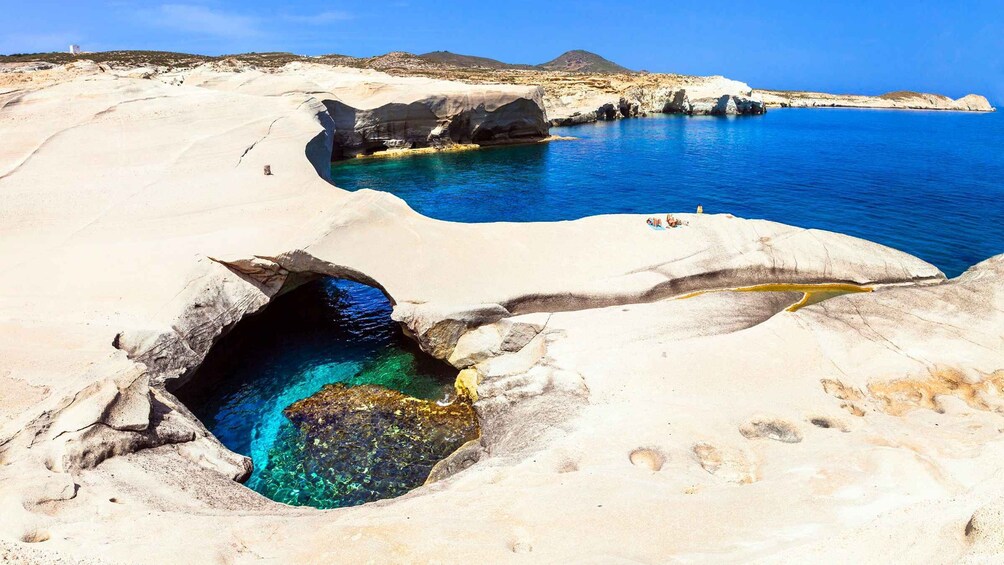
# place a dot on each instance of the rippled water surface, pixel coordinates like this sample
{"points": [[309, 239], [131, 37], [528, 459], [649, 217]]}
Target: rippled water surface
{"points": [[928, 183]]}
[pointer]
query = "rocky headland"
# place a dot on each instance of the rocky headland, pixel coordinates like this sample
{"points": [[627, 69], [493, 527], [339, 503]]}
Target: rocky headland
{"points": [[574, 88], [900, 100], [641, 396], [373, 112]]}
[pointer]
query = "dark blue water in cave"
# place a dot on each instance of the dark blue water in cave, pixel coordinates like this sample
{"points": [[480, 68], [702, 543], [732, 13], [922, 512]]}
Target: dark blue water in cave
{"points": [[928, 183]]}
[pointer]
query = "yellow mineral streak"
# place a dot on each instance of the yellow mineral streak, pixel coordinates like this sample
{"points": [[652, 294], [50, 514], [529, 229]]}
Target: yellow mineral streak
{"points": [[811, 293], [900, 396], [467, 385], [896, 397], [394, 153]]}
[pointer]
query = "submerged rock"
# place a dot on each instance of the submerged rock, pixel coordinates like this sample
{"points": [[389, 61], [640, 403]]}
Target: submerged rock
{"points": [[363, 443]]}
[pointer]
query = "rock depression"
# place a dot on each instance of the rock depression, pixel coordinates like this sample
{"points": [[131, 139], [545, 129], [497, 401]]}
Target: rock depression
{"points": [[649, 425]]}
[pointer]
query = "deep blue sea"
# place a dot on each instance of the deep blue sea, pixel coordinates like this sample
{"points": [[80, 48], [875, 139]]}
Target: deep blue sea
{"points": [[930, 184]]}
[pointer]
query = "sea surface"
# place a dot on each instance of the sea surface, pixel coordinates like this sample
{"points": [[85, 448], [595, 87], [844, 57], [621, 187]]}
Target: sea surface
{"points": [[930, 184]]}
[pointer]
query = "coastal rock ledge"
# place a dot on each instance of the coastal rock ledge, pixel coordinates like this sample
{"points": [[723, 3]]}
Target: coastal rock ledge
{"points": [[372, 112], [904, 100], [642, 396], [657, 94]]}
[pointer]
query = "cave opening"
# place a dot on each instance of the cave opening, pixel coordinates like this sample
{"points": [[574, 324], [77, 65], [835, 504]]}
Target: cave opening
{"points": [[373, 149], [329, 399]]}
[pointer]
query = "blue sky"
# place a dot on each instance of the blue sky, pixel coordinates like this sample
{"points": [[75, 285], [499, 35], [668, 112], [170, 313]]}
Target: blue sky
{"points": [[851, 46]]}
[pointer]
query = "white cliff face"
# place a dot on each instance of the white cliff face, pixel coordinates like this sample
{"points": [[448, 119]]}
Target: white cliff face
{"points": [[623, 415], [715, 95], [649, 94], [372, 111], [892, 100], [974, 103]]}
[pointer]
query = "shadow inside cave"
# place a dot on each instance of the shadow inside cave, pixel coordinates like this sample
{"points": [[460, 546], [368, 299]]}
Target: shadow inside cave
{"points": [[333, 404]]}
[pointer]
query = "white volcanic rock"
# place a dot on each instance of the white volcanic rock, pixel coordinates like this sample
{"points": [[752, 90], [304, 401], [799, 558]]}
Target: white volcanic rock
{"points": [[973, 103], [893, 100], [648, 94], [373, 111], [138, 227], [716, 96]]}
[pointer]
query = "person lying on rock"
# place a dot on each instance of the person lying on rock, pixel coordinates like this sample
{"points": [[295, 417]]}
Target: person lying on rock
{"points": [[672, 222]]}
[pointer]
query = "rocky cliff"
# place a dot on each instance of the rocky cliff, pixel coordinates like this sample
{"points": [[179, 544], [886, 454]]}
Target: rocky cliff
{"points": [[372, 111], [905, 100], [572, 103], [570, 93]]}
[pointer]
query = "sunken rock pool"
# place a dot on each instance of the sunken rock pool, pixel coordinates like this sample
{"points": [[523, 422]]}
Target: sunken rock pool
{"points": [[331, 402]]}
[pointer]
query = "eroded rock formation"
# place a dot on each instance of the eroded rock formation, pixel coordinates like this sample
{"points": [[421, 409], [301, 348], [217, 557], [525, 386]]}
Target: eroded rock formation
{"points": [[899, 100], [371, 111], [502, 118], [615, 403], [667, 94]]}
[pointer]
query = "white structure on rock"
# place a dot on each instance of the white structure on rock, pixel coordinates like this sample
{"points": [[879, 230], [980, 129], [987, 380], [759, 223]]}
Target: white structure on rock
{"points": [[74, 49]]}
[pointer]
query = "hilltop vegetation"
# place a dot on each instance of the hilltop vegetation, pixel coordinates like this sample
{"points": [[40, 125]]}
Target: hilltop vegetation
{"points": [[457, 60], [572, 61], [579, 61], [575, 61]]}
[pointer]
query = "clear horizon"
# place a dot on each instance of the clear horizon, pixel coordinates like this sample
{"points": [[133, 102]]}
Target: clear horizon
{"points": [[862, 47]]}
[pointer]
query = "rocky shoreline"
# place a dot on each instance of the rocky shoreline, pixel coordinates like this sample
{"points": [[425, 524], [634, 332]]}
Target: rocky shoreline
{"points": [[411, 105], [372, 112], [696, 96], [903, 100], [649, 425]]}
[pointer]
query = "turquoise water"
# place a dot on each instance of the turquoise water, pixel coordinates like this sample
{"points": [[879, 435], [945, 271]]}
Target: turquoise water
{"points": [[328, 331], [928, 183]]}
